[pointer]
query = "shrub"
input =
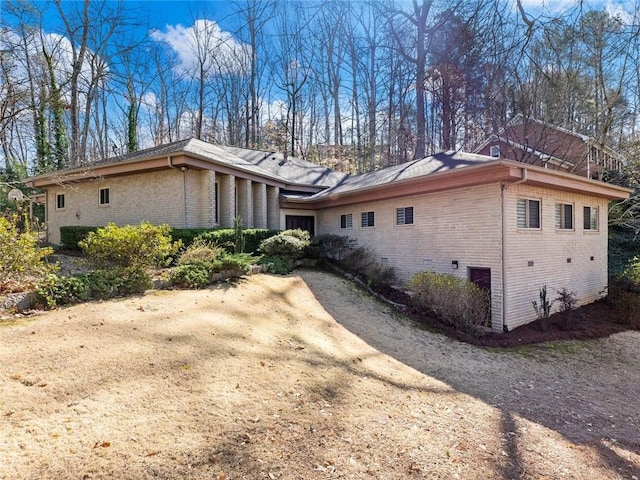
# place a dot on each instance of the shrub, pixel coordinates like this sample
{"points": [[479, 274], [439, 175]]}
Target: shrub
{"points": [[629, 279], [190, 276], [333, 247], [56, 290], [70, 236], [21, 260], [628, 306], [277, 265], [239, 262], [226, 238], [568, 303], [140, 246], [543, 307], [203, 253], [117, 281], [289, 243], [186, 236], [452, 299]]}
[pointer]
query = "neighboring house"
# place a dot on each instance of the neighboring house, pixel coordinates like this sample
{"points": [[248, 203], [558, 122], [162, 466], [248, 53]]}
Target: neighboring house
{"points": [[511, 228], [537, 143]]}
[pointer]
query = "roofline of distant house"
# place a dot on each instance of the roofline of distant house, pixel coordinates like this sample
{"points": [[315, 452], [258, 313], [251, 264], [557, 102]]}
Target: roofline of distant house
{"points": [[495, 171], [545, 157], [180, 159]]}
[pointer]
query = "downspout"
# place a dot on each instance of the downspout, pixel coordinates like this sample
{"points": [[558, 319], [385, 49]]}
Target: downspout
{"points": [[184, 189], [523, 179]]}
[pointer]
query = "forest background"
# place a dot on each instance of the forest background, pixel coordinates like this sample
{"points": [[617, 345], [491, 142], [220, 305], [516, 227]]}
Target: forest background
{"points": [[355, 85]]}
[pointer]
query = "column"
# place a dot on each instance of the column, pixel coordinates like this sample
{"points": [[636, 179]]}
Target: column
{"points": [[259, 205], [273, 208], [245, 202], [227, 186]]}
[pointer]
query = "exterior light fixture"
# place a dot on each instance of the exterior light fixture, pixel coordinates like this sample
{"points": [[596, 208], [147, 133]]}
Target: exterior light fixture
{"points": [[454, 263]]}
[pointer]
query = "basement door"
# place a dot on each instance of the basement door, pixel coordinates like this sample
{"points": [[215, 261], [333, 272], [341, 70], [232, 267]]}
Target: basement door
{"points": [[303, 222], [481, 277]]}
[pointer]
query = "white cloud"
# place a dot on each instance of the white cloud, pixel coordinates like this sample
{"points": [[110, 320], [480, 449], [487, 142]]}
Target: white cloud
{"points": [[625, 11], [205, 41]]}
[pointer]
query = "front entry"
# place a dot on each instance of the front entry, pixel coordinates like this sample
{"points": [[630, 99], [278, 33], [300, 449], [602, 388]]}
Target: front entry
{"points": [[303, 222]]}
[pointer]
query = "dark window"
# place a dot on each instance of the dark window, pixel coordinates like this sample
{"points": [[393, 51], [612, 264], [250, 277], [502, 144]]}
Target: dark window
{"points": [[104, 196], [564, 216], [590, 218], [346, 221], [528, 213], [60, 201], [404, 216], [368, 219]]}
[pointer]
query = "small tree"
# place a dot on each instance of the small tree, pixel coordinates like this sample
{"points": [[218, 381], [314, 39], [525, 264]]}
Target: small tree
{"points": [[543, 308], [21, 260], [133, 246]]}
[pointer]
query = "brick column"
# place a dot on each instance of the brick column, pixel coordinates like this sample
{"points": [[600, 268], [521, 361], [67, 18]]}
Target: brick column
{"points": [[212, 201], [259, 205], [245, 202], [273, 207], [227, 186]]}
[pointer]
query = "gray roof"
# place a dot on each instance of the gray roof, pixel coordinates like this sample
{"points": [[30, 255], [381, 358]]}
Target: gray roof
{"points": [[294, 169], [260, 162], [438, 163]]}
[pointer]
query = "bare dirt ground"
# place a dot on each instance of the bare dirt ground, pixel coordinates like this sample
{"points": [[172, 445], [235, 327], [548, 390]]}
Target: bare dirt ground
{"points": [[303, 377]]}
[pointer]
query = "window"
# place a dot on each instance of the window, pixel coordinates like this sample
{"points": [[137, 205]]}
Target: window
{"points": [[591, 218], [494, 151], [104, 196], [404, 216], [60, 201], [564, 216], [528, 213], [368, 219], [346, 221]]}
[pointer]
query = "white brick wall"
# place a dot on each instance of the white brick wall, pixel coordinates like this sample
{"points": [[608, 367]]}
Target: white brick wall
{"points": [[154, 197], [462, 225], [549, 250], [465, 225]]}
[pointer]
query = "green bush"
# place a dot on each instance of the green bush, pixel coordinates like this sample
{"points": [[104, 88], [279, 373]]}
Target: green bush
{"points": [[187, 235], [627, 304], [452, 299], [21, 260], [190, 276], [136, 246], [333, 247], [629, 278], [56, 290], [71, 235], [117, 281], [203, 253], [240, 262], [226, 238], [277, 265], [289, 243]]}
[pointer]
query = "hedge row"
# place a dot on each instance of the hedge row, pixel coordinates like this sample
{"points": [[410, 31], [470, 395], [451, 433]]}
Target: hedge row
{"points": [[224, 237]]}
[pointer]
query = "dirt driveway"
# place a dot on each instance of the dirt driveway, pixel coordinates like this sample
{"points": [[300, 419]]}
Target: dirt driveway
{"points": [[303, 377]]}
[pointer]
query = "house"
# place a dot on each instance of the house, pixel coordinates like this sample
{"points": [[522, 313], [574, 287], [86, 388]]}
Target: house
{"points": [[535, 142], [508, 226]]}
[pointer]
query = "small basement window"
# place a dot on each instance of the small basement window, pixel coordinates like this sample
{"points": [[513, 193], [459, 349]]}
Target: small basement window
{"points": [[368, 219], [60, 201], [404, 216], [104, 196]]}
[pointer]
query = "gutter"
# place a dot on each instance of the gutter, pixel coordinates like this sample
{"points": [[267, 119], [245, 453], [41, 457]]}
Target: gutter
{"points": [[523, 179]]}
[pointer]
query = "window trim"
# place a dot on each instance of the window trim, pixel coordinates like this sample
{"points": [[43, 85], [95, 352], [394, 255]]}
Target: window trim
{"points": [[58, 197], [100, 197], [527, 225], [370, 215], [346, 221], [585, 227], [562, 226], [404, 216]]}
